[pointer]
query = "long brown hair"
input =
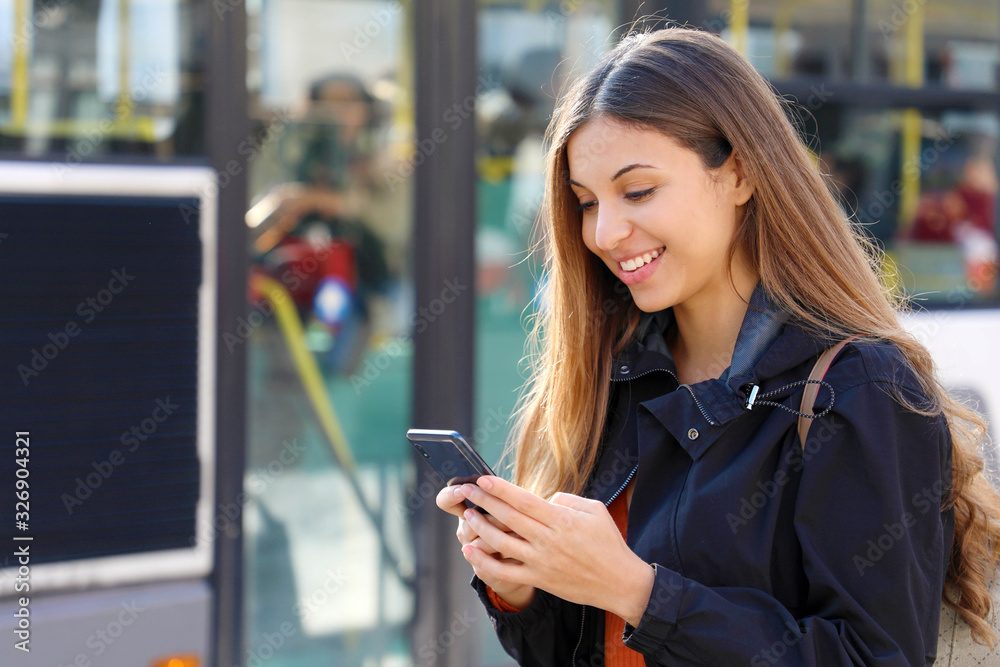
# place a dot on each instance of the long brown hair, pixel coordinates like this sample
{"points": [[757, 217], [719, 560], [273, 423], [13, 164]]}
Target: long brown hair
{"points": [[811, 261]]}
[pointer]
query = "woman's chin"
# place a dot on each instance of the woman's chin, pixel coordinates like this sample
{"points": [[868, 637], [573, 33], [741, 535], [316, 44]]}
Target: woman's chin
{"points": [[650, 301]]}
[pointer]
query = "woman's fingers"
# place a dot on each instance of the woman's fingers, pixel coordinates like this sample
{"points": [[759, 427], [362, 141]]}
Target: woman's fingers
{"points": [[523, 517], [481, 544], [466, 535], [521, 500], [508, 544], [577, 503], [451, 500], [489, 568]]}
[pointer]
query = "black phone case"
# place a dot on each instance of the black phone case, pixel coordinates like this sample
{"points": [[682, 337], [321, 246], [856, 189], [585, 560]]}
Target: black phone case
{"points": [[450, 457]]}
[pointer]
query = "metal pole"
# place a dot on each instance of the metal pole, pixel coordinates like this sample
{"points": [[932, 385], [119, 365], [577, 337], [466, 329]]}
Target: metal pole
{"points": [[859, 41], [226, 126], [444, 259]]}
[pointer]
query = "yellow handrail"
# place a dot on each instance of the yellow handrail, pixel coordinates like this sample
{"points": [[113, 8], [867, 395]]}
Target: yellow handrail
{"points": [[19, 73], [305, 363], [135, 127], [123, 110]]}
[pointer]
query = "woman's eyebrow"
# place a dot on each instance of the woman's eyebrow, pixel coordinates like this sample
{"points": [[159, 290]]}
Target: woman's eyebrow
{"points": [[623, 170]]}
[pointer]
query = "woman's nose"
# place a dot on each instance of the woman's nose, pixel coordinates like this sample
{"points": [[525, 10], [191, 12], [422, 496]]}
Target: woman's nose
{"points": [[612, 229]]}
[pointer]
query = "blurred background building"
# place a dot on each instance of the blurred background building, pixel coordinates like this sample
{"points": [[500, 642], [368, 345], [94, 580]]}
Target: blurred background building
{"points": [[333, 204]]}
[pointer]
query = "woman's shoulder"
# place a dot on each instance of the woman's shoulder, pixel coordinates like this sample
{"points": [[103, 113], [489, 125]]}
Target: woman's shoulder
{"points": [[867, 361]]}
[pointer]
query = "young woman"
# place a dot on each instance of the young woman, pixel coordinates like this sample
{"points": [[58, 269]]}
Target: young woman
{"points": [[663, 510]]}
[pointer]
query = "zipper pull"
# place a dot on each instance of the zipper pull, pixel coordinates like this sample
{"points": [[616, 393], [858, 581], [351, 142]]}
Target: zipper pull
{"points": [[753, 396]]}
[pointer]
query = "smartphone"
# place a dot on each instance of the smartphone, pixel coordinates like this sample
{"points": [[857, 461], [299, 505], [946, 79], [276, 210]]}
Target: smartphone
{"points": [[452, 459]]}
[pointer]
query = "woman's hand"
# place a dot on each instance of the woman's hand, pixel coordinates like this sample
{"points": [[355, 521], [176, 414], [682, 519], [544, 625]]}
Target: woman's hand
{"points": [[568, 546], [451, 500]]}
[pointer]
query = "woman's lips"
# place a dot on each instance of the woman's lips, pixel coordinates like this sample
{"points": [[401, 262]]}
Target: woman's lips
{"points": [[640, 274]]}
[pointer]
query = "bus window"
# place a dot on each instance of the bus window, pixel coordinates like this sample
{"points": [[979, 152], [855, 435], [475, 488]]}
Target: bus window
{"points": [[899, 101], [80, 80], [946, 243], [932, 208]]}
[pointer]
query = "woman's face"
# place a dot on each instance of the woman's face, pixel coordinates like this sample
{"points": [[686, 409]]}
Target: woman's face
{"points": [[654, 215]]}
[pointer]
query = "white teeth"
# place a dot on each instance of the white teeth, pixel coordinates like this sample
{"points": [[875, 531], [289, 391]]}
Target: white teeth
{"points": [[642, 260]]}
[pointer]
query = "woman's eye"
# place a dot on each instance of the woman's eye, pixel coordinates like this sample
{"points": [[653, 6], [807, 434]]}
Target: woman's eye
{"points": [[639, 196], [588, 206]]}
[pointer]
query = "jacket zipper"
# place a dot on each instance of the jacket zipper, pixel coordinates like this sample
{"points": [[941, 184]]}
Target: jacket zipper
{"points": [[701, 408], [583, 614], [704, 413], [643, 374], [622, 488]]}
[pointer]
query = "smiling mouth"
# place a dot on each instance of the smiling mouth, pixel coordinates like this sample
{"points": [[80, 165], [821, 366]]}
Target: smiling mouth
{"points": [[635, 263]]}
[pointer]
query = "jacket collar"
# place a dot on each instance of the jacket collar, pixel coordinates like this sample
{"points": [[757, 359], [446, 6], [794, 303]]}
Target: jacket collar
{"points": [[767, 345]]}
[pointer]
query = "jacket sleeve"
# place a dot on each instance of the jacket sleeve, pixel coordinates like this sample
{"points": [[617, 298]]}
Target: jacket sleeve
{"points": [[874, 546], [543, 634]]}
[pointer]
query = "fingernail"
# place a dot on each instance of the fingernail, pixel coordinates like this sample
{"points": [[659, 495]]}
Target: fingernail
{"points": [[469, 514], [485, 483]]}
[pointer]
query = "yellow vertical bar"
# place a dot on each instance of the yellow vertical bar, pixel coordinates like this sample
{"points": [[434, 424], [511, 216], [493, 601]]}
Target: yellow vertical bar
{"points": [[403, 113], [913, 76], [123, 110], [739, 23], [19, 73]]}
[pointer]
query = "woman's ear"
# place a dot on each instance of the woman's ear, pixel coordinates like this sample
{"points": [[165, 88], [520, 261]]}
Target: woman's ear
{"points": [[743, 188]]}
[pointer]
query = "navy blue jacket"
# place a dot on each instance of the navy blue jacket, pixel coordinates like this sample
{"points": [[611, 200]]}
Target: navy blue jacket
{"points": [[764, 553]]}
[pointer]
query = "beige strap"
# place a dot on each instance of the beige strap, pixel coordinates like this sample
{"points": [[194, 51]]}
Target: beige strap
{"points": [[812, 388]]}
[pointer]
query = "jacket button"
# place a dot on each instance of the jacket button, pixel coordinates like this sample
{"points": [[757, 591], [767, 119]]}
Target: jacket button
{"points": [[623, 370], [693, 434]]}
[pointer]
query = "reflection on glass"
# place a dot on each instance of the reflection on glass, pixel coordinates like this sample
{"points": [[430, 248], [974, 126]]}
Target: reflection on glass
{"points": [[956, 44], [922, 183], [329, 555], [949, 243], [933, 209], [313, 235], [92, 78], [962, 43]]}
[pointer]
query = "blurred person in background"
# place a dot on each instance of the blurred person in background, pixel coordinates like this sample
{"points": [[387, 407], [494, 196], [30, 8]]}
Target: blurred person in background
{"points": [[315, 238], [965, 215]]}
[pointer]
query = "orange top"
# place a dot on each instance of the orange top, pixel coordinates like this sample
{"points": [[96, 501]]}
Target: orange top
{"points": [[616, 654]]}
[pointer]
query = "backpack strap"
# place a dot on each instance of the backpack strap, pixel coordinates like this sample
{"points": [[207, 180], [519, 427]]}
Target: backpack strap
{"points": [[812, 387]]}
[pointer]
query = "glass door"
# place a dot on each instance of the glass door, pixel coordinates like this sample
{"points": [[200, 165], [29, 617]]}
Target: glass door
{"points": [[328, 553]]}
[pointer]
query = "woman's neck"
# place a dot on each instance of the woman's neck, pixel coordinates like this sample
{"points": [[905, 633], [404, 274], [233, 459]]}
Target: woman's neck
{"points": [[703, 340]]}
